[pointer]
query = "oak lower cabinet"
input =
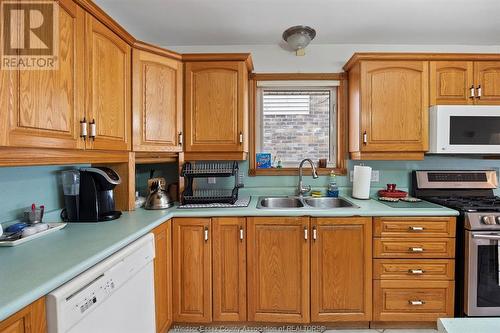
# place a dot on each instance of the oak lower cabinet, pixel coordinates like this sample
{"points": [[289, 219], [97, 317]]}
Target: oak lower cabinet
{"points": [[414, 268], [107, 89], [465, 82], [388, 109], [192, 262], [157, 102], [163, 276], [216, 106], [43, 108], [278, 253], [209, 269], [341, 280], [30, 319]]}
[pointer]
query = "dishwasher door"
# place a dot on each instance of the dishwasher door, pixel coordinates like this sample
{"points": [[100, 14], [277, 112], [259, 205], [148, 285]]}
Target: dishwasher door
{"points": [[116, 295]]}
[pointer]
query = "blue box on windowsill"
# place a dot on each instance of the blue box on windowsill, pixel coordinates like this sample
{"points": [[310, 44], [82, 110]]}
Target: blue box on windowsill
{"points": [[263, 160]]}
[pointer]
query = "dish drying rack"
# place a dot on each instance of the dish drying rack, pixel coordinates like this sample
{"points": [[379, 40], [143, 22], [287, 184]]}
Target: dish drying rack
{"points": [[192, 170]]}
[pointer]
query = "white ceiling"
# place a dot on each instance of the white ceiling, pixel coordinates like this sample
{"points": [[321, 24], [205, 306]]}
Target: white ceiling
{"points": [[227, 22]]}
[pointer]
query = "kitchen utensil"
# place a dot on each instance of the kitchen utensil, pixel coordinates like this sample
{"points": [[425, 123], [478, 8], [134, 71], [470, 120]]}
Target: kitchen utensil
{"points": [[33, 215], [361, 182], [158, 198]]}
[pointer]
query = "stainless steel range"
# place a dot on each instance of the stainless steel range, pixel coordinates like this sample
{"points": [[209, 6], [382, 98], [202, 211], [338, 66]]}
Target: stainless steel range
{"points": [[478, 234]]}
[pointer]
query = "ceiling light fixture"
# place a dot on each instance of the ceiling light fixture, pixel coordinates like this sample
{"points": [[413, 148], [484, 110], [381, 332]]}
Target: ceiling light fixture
{"points": [[298, 37]]}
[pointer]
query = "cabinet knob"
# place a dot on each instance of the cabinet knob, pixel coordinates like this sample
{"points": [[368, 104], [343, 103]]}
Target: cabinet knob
{"points": [[93, 129], [365, 138], [416, 271], [416, 228], [315, 233], [416, 302], [479, 91], [205, 233], [241, 137], [242, 233], [416, 249], [180, 138], [83, 129], [305, 233], [472, 93]]}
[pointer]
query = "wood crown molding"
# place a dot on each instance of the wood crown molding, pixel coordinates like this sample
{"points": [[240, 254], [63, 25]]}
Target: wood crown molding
{"points": [[246, 57], [297, 76], [105, 19], [420, 56], [143, 46]]}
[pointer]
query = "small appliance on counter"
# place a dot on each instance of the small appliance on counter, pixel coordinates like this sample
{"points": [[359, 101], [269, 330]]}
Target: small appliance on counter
{"points": [[158, 197], [88, 195]]}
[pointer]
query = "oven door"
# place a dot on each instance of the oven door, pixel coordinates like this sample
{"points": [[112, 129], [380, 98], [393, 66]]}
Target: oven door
{"points": [[464, 129], [482, 277]]}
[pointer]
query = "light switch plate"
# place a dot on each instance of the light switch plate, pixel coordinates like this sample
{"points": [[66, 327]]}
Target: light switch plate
{"points": [[375, 176]]}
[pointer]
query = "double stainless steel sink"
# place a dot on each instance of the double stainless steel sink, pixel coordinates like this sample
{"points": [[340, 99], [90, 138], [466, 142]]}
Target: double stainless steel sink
{"points": [[307, 202]]}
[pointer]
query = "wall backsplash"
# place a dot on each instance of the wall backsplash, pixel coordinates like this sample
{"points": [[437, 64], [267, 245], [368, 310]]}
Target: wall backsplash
{"points": [[22, 186]]}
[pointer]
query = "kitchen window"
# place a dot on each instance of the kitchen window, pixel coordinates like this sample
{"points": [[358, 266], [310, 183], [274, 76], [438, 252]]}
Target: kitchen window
{"points": [[296, 119]]}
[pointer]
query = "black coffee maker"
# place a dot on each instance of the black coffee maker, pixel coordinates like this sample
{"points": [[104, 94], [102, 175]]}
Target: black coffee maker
{"points": [[88, 195]]}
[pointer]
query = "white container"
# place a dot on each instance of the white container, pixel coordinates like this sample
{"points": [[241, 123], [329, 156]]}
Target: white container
{"points": [[361, 182]]}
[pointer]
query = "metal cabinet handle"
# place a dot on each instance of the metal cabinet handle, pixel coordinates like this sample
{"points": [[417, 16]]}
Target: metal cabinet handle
{"points": [[242, 233], [486, 236], [416, 302], [315, 233], [305, 233], [365, 138], [479, 91], [83, 129], [416, 249], [93, 129], [416, 228], [471, 89], [180, 138], [416, 271], [206, 234], [241, 137]]}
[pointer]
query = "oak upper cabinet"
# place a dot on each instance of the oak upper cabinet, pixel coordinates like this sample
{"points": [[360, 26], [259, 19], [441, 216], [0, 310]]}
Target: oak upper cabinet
{"points": [[108, 66], [43, 108], [192, 263], [487, 82], [157, 102], [216, 106], [341, 276], [229, 269], [388, 108], [451, 82], [278, 269], [163, 276], [30, 319]]}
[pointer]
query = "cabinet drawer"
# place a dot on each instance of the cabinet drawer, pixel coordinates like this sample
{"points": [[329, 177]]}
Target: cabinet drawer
{"points": [[400, 300], [414, 269], [414, 227], [414, 248]]}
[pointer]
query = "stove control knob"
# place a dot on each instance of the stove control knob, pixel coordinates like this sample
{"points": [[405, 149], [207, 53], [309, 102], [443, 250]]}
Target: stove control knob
{"points": [[489, 219], [498, 219]]}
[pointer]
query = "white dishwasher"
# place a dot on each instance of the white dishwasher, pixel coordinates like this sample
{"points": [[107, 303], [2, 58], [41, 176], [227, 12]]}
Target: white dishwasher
{"points": [[116, 295]]}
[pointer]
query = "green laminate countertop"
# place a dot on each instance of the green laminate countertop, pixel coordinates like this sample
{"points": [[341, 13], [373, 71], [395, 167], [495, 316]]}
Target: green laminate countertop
{"points": [[469, 325], [31, 270]]}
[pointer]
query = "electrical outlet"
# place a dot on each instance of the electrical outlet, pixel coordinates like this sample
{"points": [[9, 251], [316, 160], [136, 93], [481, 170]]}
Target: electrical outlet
{"points": [[375, 176], [211, 180]]}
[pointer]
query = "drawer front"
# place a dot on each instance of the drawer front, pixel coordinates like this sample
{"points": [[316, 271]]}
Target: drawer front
{"points": [[414, 269], [401, 300], [414, 227], [414, 248]]}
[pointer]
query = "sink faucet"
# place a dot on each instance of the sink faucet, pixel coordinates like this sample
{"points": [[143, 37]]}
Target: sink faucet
{"points": [[303, 189]]}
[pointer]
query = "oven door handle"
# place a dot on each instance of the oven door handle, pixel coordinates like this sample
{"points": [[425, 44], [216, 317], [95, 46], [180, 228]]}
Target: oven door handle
{"points": [[487, 236]]}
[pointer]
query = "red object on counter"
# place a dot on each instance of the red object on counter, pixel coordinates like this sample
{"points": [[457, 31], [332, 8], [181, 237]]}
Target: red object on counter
{"points": [[392, 194]]}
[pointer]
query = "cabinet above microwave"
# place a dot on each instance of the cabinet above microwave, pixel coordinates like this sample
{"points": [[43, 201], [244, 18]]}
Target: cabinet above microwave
{"points": [[464, 129]]}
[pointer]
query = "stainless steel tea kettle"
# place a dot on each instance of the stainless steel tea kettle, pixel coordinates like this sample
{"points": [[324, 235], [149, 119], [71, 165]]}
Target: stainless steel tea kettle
{"points": [[158, 197]]}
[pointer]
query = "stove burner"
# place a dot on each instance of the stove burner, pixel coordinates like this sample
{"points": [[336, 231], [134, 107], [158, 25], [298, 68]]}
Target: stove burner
{"points": [[469, 203]]}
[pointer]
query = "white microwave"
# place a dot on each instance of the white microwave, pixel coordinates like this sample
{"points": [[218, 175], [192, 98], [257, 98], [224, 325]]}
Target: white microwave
{"points": [[464, 129]]}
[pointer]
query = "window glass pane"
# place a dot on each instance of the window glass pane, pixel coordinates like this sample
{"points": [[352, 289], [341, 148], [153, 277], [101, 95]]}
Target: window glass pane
{"points": [[298, 123]]}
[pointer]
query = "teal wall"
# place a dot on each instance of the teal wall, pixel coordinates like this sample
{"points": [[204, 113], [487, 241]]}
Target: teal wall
{"points": [[21, 186]]}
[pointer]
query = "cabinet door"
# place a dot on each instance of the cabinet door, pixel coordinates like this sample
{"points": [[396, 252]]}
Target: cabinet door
{"points": [[216, 106], [278, 269], [487, 77], [341, 276], [108, 87], [163, 276], [44, 107], [192, 278], [30, 319], [394, 107], [229, 269], [451, 82], [157, 102]]}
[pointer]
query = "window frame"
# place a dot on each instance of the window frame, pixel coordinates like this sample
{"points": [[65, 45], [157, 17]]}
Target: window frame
{"points": [[341, 121]]}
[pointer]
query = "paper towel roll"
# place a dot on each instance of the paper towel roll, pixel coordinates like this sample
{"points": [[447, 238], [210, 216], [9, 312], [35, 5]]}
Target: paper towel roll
{"points": [[361, 182]]}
